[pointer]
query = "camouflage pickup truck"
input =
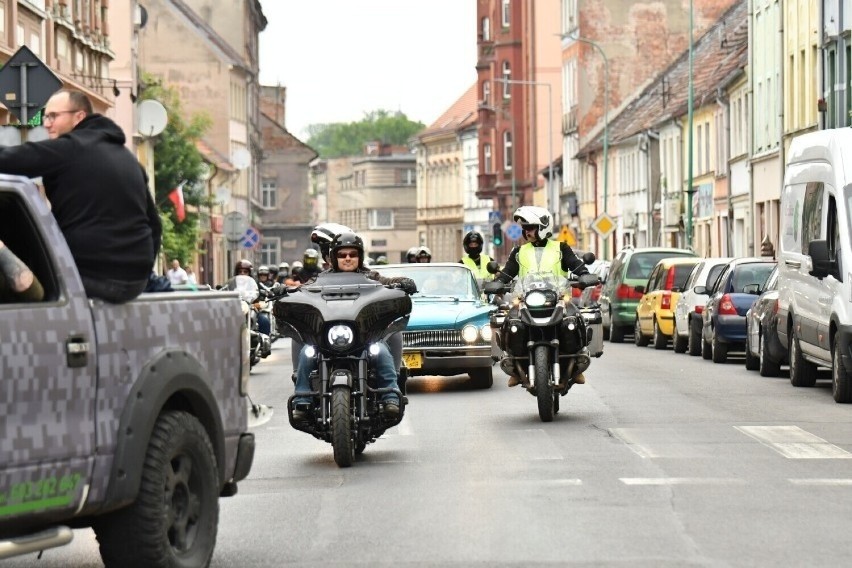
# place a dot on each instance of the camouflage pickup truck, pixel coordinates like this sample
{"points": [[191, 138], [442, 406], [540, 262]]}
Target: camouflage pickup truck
{"points": [[131, 419]]}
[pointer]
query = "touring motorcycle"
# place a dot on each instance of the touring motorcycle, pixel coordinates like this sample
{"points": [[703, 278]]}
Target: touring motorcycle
{"points": [[542, 338], [341, 317]]}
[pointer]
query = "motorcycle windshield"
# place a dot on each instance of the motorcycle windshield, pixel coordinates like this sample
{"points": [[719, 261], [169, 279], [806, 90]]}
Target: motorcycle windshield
{"points": [[344, 298], [539, 281], [246, 287]]}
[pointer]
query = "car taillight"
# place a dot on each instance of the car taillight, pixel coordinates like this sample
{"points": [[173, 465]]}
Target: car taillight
{"points": [[699, 309], [596, 293], [626, 292], [575, 292], [670, 278], [775, 307], [726, 306], [666, 301]]}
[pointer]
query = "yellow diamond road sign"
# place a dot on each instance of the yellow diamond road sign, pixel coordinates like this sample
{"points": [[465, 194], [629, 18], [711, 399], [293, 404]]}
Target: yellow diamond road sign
{"points": [[604, 225]]}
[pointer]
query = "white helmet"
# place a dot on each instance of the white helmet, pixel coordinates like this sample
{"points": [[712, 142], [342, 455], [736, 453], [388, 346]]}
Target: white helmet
{"points": [[532, 215]]}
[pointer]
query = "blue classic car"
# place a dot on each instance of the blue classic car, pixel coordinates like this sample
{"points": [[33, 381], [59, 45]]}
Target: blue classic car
{"points": [[449, 331]]}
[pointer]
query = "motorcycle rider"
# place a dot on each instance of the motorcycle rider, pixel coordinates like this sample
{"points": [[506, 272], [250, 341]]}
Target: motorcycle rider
{"points": [[540, 254], [347, 255], [411, 255], [324, 234], [476, 260], [263, 277], [423, 254], [283, 272], [293, 278], [310, 266]]}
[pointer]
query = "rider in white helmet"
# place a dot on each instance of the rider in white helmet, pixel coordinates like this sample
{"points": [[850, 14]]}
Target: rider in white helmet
{"points": [[323, 235], [539, 254]]}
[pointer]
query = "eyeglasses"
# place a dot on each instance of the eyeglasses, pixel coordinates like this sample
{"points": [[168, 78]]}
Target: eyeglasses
{"points": [[51, 116], [347, 255]]}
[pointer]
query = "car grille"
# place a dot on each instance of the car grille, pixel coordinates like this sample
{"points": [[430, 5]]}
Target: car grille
{"points": [[435, 338]]}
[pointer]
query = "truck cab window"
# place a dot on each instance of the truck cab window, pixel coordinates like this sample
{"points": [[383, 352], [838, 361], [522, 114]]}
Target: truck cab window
{"points": [[19, 234]]}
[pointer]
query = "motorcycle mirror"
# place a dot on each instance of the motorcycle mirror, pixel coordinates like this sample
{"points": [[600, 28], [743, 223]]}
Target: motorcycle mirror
{"points": [[492, 267], [589, 258]]}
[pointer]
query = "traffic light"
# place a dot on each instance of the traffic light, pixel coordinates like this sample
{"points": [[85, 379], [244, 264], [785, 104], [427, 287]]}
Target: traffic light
{"points": [[497, 235]]}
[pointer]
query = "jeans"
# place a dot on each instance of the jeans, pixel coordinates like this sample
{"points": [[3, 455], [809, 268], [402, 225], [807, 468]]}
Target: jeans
{"points": [[263, 324], [113, 291], [385, 372]]}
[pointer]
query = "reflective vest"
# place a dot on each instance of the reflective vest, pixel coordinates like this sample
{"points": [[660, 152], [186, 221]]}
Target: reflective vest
{"points": [[480, 271], [551, 259]]}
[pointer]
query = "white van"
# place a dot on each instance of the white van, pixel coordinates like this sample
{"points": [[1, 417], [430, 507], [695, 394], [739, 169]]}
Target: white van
{"points": [[815, 259]]}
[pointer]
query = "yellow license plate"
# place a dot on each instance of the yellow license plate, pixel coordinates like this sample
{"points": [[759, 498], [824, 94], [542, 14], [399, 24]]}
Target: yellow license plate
{"points": [[412, 360]]}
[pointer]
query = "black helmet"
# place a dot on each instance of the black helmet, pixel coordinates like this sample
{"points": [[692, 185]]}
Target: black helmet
{"points": [[471, 238], [311, 258], [346, 240], [242, 264]]}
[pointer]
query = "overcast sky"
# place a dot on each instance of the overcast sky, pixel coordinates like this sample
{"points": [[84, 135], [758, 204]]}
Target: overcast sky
{"points": [[342, 58]]}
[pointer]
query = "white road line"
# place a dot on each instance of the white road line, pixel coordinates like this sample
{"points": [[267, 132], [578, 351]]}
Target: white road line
{"points": [[627, 436], [794, 443], [681, 481], [824, 482]]}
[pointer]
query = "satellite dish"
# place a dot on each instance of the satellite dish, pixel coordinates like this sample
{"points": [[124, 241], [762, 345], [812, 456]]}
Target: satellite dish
{"points": [[37, 134], [241, 158], [151, 118], [223, 195]]}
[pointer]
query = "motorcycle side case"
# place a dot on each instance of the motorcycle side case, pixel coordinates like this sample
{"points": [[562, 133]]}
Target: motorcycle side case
{"points": [[594, 322]]}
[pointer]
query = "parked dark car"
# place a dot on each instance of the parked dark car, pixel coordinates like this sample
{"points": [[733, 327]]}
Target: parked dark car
{"points": [[764, 351], [724, 315]]}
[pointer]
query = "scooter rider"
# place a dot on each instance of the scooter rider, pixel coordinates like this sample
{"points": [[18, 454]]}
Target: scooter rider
{"points": [[476, 260], [540, 254], [347, 255]]}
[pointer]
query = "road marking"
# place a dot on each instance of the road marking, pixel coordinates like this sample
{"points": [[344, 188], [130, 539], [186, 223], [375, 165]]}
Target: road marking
{"points": [[794, 443], [823, 482], [681, 481]]}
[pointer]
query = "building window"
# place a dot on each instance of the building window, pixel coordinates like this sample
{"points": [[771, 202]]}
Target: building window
{"points": [[381, 219], [507, 76], [507, 150], [407, 177], [3, 22], [504, 13], [269, 252], [486, 92], [269, 193], [486, 158], [486, 29]]}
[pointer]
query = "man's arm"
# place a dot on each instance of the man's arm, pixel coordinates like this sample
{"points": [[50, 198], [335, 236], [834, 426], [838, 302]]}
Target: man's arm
{"points": [[510, 269], [571, 262], [35, 159]]}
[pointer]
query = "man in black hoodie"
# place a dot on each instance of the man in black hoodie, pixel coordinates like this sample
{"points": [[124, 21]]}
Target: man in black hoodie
{"points": [[98, 195]]}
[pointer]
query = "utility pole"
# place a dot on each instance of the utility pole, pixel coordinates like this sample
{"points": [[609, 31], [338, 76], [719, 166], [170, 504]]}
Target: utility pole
{"points": [[689, 112]]}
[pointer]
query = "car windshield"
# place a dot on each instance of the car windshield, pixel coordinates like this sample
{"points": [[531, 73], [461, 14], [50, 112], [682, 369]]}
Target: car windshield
{"points": [[642, 263], [456, 282]]}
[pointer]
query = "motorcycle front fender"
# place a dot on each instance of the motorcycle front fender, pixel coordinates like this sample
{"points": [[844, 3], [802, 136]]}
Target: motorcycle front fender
{"points": [[340, 378], [554, 319]]}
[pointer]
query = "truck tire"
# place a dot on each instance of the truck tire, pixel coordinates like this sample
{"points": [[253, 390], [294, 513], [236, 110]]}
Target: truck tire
{"points": [[174, 520], [841, 382]]}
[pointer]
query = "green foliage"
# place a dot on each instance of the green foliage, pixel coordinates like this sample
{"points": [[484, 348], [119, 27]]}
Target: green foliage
{"points": [[176, 161], [347, 139]]}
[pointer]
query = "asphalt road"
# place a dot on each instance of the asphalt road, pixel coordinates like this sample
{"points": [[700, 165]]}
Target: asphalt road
{"points": [[658, 460]]}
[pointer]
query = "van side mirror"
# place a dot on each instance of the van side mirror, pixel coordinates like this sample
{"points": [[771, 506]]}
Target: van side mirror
{"points": [[822, 265]]}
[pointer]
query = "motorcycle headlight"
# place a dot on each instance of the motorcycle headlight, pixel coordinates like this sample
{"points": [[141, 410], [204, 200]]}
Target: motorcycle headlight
{"points": [[536, 299], [469, 333], [341, 336], [485, 332]]}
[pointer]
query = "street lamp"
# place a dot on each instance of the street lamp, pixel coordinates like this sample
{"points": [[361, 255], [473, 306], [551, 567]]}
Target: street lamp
{"points": [[606, 121], [514, 145], [554, 202]]}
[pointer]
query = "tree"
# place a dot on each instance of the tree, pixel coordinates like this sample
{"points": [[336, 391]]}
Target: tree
{"points": [[347, 139], [178, 162]]}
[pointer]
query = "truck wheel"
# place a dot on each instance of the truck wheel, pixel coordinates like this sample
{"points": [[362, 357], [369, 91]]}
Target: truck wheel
{"points": [[802, 372], [174, 520], [841, 383], [341, 427]]}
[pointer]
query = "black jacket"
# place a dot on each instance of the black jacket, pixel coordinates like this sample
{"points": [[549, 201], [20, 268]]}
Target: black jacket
{"points": [[570, 262], [98, 195]]}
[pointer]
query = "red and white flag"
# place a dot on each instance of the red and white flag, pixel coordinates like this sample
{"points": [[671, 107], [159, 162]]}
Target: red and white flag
{"points": [[176, 197]]}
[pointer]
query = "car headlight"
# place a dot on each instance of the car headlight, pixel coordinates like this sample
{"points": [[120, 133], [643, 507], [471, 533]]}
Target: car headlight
{"points": [[485, 332], [469, 333], [340, 336]]}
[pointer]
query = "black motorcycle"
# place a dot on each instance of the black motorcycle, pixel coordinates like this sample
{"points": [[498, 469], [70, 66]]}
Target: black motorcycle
{"points": [[341, 317], [542, 337]]}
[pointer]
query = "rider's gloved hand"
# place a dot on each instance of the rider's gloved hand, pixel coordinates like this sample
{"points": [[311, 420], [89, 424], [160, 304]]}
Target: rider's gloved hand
{"points": [[408, 287]]}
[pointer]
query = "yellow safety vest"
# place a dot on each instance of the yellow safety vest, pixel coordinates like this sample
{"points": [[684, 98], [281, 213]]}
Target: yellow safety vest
{"points": [[551, 259], [480, 271]]}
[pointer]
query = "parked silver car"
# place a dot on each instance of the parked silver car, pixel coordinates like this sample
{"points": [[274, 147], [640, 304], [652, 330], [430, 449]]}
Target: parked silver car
{"points": [[687, 331]]}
